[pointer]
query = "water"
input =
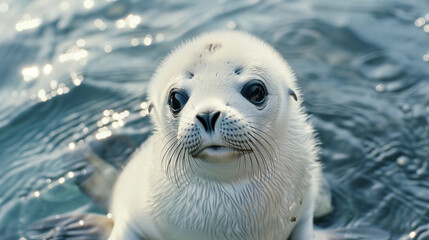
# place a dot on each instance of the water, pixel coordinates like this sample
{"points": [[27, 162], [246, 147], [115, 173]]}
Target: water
{"points": [[73, 72]]}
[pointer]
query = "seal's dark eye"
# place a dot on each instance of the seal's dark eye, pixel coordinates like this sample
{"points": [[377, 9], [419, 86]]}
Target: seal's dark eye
{"points": [[255, 91], [177, 100]]}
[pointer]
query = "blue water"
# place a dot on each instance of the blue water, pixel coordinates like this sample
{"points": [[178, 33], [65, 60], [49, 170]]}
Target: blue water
{"points": [[75, 71]]}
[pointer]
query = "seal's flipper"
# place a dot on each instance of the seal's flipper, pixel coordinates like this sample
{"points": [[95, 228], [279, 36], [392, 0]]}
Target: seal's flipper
{"points": [[115, 150], [351, 234], [99, 184], [72, 227], [105, 160]]}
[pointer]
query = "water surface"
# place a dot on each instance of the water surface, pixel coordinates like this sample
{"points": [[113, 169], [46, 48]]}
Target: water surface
{"points": [[76, 72]]}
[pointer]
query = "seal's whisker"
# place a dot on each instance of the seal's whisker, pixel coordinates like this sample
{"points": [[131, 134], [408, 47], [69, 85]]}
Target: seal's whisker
{"points": [[268, 167], [196, 163], [174, 154], [167, 143], [189, 166], [168, 158], [257, 144], [168, 135], [252, 156], [263, 145], [265, 128], [264, 162], [255, 157], [246, 143], [166, 155], [236, 146], [273, 140], [256, 130], [181, 167]]}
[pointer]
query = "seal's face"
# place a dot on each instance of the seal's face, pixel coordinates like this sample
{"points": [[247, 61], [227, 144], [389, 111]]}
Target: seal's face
{"points": [[217, 116], [220, 109]]}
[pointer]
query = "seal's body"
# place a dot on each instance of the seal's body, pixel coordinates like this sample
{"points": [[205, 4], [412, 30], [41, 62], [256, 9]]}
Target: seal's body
{"points": [[232, 155]]}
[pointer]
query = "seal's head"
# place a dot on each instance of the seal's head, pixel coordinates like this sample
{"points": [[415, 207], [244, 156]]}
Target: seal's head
{"points": [[222, 103]]}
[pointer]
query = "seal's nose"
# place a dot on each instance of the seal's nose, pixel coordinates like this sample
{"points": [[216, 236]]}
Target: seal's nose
{"points": [[208, 119]]}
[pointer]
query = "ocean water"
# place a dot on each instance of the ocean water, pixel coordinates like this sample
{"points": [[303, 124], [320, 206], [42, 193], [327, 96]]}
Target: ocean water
{"points": [[74, 73]]}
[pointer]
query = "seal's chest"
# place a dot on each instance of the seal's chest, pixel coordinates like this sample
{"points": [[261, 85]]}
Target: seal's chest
{"points": [[214, 211]]}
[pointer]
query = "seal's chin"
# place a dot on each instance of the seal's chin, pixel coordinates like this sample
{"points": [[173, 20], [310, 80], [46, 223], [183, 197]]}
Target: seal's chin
{"points": [[218, 153]]}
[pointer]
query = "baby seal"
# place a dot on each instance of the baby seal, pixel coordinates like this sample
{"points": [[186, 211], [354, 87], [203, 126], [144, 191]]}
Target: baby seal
{"points": [[232, 155]]}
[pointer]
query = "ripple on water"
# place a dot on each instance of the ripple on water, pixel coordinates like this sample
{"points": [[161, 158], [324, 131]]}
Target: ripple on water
{"points": [[59, 199], [388, 71], [293, 38], [378, 66]]}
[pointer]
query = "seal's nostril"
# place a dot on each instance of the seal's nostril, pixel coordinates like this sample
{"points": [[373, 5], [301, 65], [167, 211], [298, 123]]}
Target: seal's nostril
{"points": [[213, 117], [208, 119], [204, 119]]}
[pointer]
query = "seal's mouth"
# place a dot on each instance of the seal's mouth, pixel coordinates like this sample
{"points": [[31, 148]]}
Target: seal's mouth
{"points": [[215, 147], [216, 152]]}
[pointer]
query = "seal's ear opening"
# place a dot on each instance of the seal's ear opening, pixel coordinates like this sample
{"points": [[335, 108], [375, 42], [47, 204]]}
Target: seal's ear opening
{"points": [[149, 109], [292, 93]]}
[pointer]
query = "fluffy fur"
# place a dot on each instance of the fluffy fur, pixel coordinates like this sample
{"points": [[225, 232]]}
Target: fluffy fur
{"points": [[265, 189]]}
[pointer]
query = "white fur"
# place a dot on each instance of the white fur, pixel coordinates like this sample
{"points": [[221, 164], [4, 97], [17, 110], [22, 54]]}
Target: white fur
{"points": [[236, 198]]}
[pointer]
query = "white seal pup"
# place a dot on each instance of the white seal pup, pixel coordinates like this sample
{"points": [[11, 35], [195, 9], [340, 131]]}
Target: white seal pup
{"points": [[232, 155]]}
